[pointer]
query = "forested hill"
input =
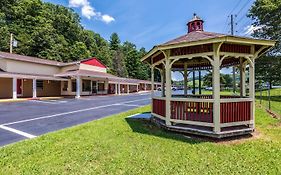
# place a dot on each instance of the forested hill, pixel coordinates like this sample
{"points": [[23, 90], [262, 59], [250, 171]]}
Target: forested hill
{"points": [[55, 32]]}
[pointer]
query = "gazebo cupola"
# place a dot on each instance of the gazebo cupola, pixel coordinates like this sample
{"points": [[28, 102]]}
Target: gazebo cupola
{"points": [[195, 24], [205, 113]]}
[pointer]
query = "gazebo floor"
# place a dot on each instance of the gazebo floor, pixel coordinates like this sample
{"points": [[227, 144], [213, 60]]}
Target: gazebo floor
{"points": [[204, 130]]}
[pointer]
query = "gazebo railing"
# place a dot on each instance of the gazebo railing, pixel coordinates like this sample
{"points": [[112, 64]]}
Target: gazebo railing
{"points": [[199, 111], [192, 111]]}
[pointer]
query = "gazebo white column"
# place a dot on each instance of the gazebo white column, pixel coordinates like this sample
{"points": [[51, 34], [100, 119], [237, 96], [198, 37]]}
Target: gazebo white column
{"points": [[15, 88], [242, 79], [168, 91], [185, 78], [163, 82], [152, 81], [78, 91], [128, 88], [144, 86], [216, 89], [34, 89], [137, 88], [252, 88]]}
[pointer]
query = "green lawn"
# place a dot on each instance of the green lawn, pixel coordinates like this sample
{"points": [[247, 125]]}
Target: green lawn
{"points": [[116, 145]]}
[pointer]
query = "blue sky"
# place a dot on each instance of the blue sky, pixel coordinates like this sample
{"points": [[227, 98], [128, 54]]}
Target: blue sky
{"points": [[150, 22]]}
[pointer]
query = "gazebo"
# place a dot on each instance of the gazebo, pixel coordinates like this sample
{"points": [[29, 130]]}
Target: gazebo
{"points": [[212, 115]]}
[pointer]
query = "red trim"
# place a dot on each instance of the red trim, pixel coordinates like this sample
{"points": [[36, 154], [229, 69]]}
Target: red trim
{"points": [[94, 62]]}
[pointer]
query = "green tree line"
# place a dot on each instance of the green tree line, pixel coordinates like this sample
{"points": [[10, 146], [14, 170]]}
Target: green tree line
{"points": [[55, 32], [266, 16]]}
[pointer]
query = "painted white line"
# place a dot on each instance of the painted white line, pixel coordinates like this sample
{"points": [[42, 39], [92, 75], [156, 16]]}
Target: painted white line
{"points": [[17, 132], [66, 113], [49, 102], [123, 104]]}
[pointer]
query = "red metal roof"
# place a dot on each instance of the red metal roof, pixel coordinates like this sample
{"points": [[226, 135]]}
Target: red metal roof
{"points": [[94, 62], [194, 36]]}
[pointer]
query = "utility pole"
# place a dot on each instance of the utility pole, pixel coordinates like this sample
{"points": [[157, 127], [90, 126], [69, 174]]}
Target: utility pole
{"points": [[11, 43], [233, 68]]}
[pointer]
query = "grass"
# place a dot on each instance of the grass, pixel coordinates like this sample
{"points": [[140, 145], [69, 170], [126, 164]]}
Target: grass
{"points": [[116, 145]]}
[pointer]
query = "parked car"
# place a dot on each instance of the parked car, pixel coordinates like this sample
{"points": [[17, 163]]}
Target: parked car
{"points": [[173, 88], [209, 88]]}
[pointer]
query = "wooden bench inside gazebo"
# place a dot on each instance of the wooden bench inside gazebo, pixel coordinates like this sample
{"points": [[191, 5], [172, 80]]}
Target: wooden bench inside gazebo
{"points": [[213, 115]]}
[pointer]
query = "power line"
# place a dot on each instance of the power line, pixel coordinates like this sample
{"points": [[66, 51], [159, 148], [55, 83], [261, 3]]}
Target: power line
{"points": [[226, 23], [243, 7], [234, 7]]}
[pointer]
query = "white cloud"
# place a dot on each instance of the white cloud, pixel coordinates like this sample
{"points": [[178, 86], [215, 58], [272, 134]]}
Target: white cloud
{"points": [[107, 19], [78, 3], [89, 11]]}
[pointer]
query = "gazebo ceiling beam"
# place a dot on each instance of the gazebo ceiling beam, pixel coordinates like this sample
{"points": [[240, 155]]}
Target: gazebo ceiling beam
{"points": [[190, 56]]}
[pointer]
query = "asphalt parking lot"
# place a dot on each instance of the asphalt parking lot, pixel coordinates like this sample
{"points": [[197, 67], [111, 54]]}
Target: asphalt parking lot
{"points": [[29, 119]]}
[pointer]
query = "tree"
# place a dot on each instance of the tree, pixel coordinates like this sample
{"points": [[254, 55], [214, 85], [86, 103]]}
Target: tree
{"points": [[118, 63], [145, 71], [266, 15], [228, 80], [208, 79], [132, 59], [268, 69], [114, 42]]}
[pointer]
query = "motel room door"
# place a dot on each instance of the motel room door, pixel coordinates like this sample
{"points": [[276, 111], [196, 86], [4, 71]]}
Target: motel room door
{"points": [[19, 87], [94, 87]]}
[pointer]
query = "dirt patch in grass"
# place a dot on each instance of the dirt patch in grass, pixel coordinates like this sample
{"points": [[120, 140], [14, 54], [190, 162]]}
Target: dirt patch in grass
{"points": [[242, 139]]}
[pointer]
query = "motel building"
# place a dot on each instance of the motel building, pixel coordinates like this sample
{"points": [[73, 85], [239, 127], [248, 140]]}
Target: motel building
{"points": [[30, 77], [215, 114]]}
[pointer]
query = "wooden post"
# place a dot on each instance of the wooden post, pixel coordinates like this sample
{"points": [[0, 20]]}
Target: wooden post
{"points": [[152, 81], [252, 89], [242, 79], [200, 90], [168, 91], [185, 79], [193, 78], [11, 43], [163, 80], [216, 89]]}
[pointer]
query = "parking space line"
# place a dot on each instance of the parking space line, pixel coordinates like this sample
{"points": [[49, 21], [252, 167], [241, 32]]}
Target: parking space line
{"points": [[66, 113], [30, 136]]}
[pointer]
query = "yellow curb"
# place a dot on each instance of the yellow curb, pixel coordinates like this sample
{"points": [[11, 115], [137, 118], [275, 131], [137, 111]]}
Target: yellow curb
{"points": [[12, 100], [26, 99]]}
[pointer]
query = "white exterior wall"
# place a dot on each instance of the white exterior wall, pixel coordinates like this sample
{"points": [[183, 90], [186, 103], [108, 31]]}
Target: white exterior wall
{"points": [[30, 68], [92, 68], [3, 64]]}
